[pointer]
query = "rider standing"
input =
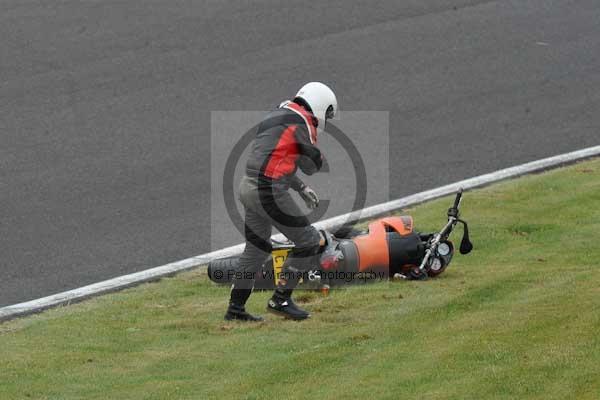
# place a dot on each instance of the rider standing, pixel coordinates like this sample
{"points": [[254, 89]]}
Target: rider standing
{"points": [[285, 141]]}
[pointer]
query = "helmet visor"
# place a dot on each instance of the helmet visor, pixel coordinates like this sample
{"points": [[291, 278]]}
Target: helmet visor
{"points": [[329, 113]]}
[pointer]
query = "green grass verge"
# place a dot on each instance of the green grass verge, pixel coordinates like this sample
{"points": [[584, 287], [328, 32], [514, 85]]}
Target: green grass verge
{"points": [[517, 318]]}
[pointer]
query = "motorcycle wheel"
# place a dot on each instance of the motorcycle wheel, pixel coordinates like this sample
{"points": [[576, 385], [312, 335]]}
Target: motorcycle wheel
{"points": [[221, 270]]}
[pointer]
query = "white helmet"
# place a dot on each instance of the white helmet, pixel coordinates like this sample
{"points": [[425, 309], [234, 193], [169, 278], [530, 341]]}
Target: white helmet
{"points": [[321, 100]]}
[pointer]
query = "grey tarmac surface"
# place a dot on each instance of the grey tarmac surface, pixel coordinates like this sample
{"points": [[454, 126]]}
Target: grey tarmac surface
{"points": [[105, 109]]}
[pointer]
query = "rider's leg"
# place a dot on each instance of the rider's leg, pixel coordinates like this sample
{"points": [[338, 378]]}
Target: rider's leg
{"points": [[294, 267], [289, 220], [257, 232]]}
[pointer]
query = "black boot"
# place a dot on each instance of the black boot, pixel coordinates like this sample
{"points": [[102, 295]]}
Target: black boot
{"points": [[236, 310], [281, 304], [239, 313]]}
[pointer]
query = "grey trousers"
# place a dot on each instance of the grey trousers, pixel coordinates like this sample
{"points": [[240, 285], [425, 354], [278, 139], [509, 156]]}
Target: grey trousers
{"points": [[266, 208]]}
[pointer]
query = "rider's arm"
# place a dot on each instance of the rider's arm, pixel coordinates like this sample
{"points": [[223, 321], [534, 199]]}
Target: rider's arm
{"points": [[296, 183], [311, 159]]}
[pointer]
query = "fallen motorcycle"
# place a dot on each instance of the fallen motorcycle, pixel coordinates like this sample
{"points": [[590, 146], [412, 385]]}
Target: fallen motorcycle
{"points": [[389, 248]]}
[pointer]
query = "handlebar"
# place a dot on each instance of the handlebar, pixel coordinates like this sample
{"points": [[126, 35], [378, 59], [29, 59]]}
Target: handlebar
{"points": [[453, 211], [445, 232], [458, 197]]}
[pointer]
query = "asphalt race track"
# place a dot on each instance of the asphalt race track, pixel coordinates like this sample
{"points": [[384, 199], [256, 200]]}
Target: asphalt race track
{"points": [[105, 108]]}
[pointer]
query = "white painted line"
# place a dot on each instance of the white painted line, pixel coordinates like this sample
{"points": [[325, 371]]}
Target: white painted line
{"points": [[125, 281], [478, 181]]}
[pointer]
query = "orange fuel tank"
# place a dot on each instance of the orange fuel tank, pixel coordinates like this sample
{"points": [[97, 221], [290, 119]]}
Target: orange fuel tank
{"points": [[372, 248]]}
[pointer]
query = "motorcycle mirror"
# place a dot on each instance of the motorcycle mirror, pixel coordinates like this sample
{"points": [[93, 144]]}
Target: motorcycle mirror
{"points": [[465, 244]]}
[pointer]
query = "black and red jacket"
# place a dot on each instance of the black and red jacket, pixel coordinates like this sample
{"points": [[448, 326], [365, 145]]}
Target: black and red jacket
{"points": [[285, 141]]}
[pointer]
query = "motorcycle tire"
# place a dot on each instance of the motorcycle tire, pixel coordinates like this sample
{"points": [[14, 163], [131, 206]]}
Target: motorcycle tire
{"points": [[222, 270]]}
